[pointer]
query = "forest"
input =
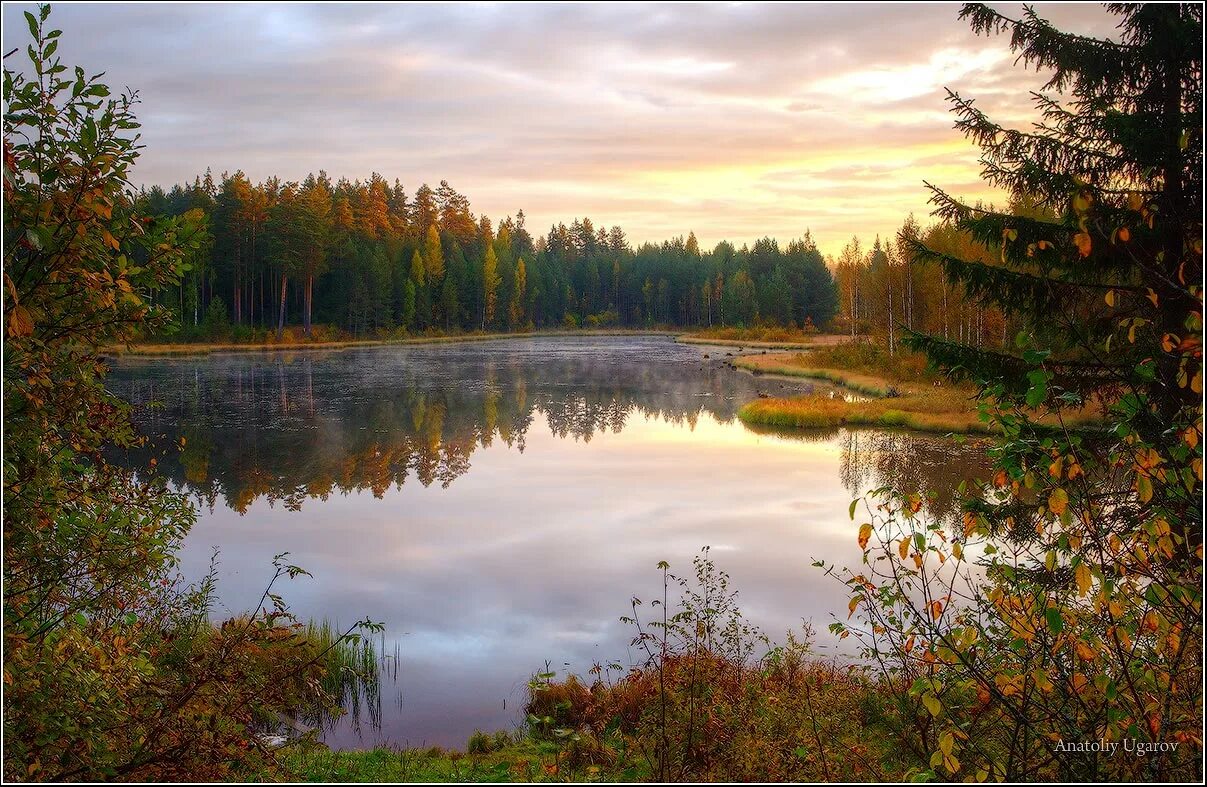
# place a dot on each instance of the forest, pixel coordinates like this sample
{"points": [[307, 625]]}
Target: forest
{"points": [[366, 260]]}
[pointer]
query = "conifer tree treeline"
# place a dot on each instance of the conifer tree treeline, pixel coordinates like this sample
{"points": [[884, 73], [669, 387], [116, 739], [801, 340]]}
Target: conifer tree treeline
{"points": [[365, 257]]}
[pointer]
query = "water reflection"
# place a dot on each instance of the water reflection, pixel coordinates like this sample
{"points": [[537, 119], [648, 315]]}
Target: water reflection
{"points": [[578, 464], [288, 427]]}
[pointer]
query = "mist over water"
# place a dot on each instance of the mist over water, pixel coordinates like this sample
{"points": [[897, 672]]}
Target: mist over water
{"points": [[497, 504]]}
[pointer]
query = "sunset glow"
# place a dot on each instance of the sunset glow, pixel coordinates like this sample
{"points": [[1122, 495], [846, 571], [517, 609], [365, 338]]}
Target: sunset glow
{"points": [[733, 121]]}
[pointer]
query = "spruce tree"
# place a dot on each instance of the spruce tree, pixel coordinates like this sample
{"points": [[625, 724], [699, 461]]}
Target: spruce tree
{"points": [[1080, 616], [1120, 164]]}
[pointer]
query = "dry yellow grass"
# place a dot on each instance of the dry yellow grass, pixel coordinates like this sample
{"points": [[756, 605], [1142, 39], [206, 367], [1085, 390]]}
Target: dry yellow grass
{"points": [[797, 365], [768, 338], [895, 403]]}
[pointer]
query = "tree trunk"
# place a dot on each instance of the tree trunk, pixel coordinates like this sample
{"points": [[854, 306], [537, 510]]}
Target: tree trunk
{"points": [[892, 347], [309, 301], [281, 318]]}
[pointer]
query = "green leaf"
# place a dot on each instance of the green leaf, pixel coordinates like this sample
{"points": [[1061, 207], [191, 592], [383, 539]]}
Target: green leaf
{"points": [[1038, 391], [33, 24], [1056, 622]]}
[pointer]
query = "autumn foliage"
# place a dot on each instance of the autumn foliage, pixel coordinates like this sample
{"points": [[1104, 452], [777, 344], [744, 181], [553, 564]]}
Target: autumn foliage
{"points": [[112, 667], [1066, 607]]}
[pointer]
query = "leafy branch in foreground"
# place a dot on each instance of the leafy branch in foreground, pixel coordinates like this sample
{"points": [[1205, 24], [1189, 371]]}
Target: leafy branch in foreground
{"points": [[112, 666], [1066, 608]]}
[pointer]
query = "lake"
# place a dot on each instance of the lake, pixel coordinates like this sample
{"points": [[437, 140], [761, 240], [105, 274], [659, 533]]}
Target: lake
{"points": [[498, 503]]}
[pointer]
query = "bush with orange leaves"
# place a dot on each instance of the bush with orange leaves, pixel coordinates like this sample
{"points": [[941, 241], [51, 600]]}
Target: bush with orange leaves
{"points": [[710, 704]]}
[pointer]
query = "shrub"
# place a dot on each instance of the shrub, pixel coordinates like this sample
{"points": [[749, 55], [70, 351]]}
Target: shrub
{"points": [[112, 669], [713, 701]]}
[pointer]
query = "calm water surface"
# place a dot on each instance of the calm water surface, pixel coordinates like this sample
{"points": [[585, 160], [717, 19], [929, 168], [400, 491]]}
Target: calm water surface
{"points": [[496, 504]]}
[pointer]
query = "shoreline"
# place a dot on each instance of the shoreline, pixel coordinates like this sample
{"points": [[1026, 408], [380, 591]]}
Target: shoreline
{"points": [[164, 350], [892, 404], [171, 349]]}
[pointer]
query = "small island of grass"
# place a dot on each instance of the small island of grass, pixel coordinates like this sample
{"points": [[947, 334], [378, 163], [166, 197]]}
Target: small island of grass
{"points": [[897, 391]]}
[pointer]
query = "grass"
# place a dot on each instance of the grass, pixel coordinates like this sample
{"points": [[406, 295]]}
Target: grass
{"points": [[800, 365], [779, 338], [937, 413], [903, 393], [524, 761], [783, 718], [354, 669]]}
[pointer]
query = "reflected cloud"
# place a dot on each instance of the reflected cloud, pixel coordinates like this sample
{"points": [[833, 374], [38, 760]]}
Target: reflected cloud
{"points": [[498, 503]]}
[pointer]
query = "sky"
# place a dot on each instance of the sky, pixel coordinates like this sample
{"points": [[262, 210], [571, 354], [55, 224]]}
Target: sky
{"points": [[732, 120]]}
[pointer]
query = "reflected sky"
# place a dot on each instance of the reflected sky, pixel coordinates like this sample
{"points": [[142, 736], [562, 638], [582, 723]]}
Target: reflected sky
{"points": [[577, 466]]}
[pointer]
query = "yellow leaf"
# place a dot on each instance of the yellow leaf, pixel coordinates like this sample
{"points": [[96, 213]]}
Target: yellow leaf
{"points": [[1058, 501], [1110, 297], [932, 704], [865, 535], [19, 322], [1144, 488], [1083, 578], [903, 548]]}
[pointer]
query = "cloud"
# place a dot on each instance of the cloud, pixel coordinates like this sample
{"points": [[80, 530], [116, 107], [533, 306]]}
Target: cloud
{"points": [[643, 115]]}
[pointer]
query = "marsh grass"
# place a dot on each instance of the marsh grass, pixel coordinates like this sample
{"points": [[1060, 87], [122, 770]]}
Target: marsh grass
{"points": [[781, 338], [939, 412], [902, 395], [355, 669]]}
